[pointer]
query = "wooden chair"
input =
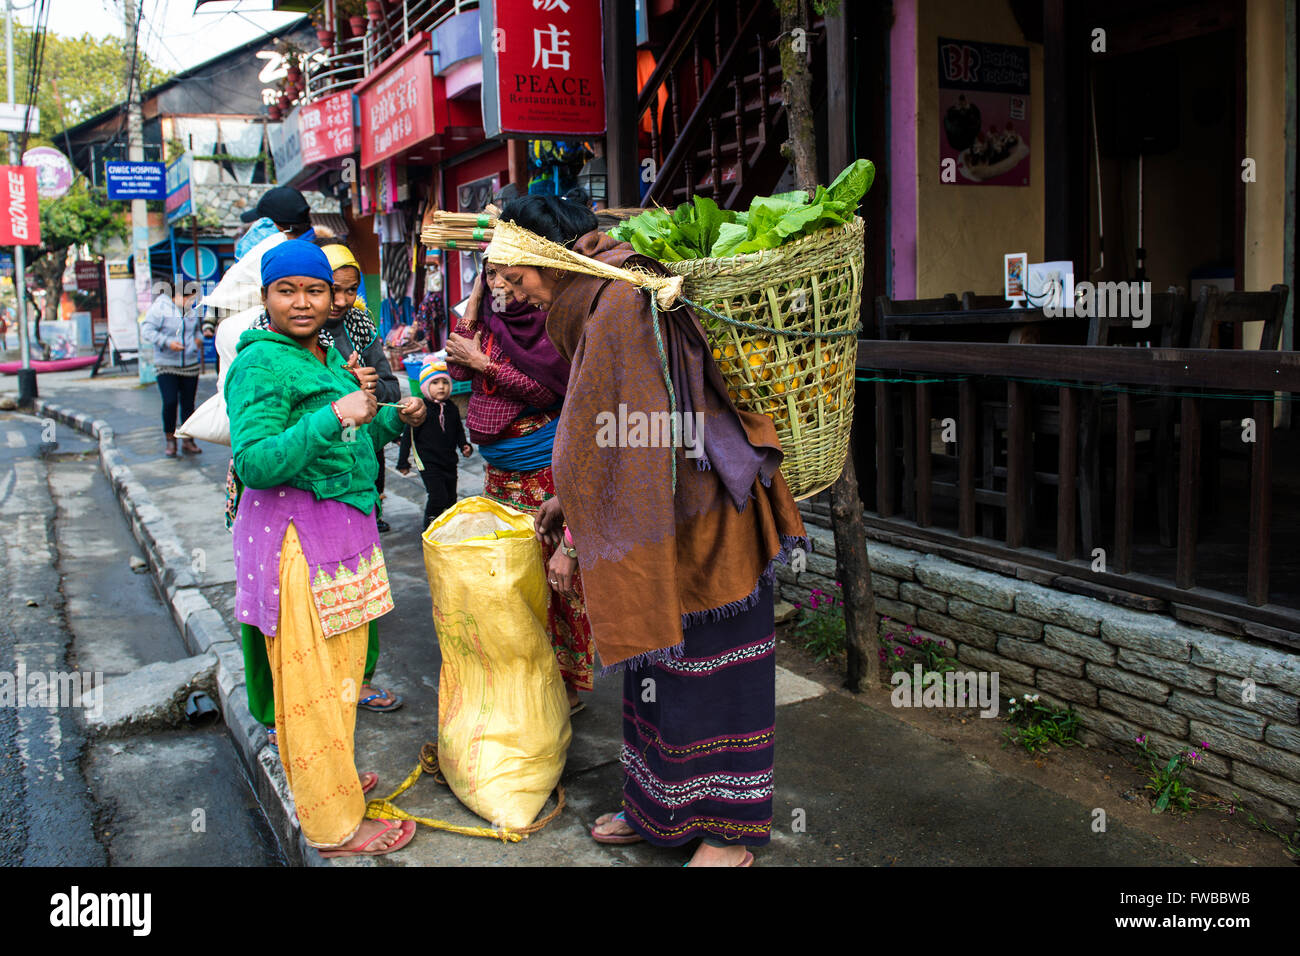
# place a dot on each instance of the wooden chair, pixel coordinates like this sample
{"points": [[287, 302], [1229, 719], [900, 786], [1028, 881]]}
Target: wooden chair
{"points": [[887, 308], [1215, 310]]}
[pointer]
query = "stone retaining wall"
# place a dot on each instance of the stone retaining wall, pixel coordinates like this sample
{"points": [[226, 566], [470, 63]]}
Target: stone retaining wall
{"points": [[1125, 672]]}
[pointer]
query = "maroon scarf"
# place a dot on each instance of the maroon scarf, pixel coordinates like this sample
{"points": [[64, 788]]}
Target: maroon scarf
{"points": [[520, 330]]}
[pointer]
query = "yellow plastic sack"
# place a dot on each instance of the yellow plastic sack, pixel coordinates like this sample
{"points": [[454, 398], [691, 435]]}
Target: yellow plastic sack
{"points": [[503, 714]]}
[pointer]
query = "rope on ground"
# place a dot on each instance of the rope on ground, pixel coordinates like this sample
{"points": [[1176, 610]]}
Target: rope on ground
{"points": [[384, 808]]}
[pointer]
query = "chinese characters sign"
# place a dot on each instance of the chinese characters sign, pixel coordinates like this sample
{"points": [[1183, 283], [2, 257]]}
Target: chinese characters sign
{"points": [[398, 103], [20, 220], [984, 112], [544, 72], [325, 128]]}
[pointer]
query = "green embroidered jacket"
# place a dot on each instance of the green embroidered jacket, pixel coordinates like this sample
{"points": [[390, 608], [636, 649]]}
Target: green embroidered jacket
{"points": [[283, 430]]}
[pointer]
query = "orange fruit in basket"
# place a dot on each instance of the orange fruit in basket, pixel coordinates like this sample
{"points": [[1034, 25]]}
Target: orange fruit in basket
{"points": [[717, 353]]}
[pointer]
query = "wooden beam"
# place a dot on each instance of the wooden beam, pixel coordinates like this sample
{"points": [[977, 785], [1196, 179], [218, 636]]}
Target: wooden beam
{"points": [[1067, 468], [1125, 490], [884, 450], [967, 412], [839, 91], [1261, 504], [1204, 368], [621, 166], [924, 472], [1189, 475], [1018, 476]]}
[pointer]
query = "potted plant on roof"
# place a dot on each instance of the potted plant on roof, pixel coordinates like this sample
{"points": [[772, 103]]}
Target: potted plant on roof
{"points": [[374, 10], [324, 35], [355, 11]]}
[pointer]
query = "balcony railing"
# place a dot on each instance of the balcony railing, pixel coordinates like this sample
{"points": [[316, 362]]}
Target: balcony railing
{"points": [[979, 431], [357, 57]]}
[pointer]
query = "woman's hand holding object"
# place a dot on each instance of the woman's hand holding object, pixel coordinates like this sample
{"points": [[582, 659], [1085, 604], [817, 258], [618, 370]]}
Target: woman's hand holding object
{"points": [[560, 570], [549, 521], [365, 374], [412, 410], [357, 408]]}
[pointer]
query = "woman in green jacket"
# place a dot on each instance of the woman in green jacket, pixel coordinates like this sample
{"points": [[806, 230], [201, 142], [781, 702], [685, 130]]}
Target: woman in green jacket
{"points": [[309, 569]]}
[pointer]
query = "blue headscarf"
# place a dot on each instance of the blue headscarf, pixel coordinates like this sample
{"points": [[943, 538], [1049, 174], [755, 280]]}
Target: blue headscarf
{"points": [[294, 257]]}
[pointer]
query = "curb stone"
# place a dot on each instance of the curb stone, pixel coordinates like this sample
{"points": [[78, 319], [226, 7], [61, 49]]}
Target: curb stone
{"points": [[201, 629]]}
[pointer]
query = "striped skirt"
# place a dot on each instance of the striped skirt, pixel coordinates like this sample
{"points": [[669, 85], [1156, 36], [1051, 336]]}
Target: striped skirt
{"points": [[698, 734]]}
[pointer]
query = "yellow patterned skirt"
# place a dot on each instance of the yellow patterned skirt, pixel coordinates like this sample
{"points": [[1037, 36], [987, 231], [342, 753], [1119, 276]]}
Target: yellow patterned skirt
{"points": [[316, 680]]}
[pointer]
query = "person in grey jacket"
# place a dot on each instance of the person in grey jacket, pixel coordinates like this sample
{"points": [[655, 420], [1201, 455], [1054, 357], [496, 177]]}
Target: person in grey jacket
{"points": [[173, 330], [355, 333]]}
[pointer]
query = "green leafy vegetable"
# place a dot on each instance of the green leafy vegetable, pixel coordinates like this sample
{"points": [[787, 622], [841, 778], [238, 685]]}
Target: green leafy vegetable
{"points": [[702, 230]]}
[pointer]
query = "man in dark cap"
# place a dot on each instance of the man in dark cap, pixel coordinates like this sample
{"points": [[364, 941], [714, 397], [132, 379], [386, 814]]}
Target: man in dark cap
{"points": [[287, 208]]}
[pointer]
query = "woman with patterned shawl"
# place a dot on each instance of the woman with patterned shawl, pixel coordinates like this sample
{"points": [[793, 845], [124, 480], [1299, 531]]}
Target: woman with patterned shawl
{"points": [[677, 560], [310, 574], [518, 382]]}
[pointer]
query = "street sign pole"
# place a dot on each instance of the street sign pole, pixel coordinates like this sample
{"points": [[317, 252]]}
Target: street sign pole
{"points": [[26, 376], [139, 209]]}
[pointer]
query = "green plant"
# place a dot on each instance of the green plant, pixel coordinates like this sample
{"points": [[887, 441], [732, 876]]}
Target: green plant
{"points": [[931, 653], [700, 229], [821, 624], [1164, 779], [1036, 726], [1290, 842]]}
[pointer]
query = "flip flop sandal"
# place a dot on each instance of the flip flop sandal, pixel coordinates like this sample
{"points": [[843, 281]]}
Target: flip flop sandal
{"points": [[365, 702], [578, 708], [747, 861], [389, 825], [374, 781], [615, 839]]}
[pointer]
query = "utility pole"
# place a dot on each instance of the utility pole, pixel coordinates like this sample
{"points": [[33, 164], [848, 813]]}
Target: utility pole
{"points": [[135, 153], [26, 377]]}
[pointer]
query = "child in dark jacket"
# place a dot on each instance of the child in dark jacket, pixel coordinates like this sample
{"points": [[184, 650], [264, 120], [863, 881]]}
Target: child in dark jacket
{"points": [[436, 441]]}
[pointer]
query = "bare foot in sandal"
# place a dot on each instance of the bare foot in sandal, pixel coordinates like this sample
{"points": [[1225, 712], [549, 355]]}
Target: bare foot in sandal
{"points": [[375, 837], [614, 828]]}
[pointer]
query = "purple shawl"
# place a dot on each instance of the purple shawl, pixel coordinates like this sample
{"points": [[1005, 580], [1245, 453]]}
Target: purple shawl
{"points": [[520, 330]]}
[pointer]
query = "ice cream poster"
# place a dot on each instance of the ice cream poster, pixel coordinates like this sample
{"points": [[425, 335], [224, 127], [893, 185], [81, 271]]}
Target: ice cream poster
{"points": [[984, 113]]}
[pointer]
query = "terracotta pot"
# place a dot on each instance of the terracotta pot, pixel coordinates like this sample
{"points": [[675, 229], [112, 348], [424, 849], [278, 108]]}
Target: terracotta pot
{"points": [[294, 74], [374, 10], [274, 111], [325, 38], [358, 25], [284, 101]]}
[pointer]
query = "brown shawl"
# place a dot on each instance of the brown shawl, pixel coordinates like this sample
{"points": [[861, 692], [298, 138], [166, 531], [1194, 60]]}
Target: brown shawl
{"points": [[654, 562]]}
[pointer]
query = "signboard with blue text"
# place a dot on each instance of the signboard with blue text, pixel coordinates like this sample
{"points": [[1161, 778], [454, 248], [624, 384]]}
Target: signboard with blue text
{"points": [[179, 202], [136, 180]]}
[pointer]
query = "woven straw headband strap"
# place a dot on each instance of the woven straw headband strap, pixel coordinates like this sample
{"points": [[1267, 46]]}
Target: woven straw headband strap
{"points": [[512, 245]]}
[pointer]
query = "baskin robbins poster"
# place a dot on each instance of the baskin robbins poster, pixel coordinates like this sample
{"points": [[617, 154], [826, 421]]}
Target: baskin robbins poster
{"points": [[984, 107]]}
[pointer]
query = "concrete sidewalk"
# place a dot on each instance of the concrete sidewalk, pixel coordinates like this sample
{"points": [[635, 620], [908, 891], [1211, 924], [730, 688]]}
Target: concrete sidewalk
{"points": [[866, 787]]}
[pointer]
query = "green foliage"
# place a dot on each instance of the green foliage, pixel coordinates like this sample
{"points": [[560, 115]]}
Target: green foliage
{"points": [[1036, 726], [1164, 778], [821, 624], [80, 77], [701, 230], [931, 654], [82, 215]]}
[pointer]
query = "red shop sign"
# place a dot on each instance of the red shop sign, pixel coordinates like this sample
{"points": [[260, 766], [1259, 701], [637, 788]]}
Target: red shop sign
{"points": [[398, 103], [325, 129], [547, 75], [20, 217], [87, 272]]}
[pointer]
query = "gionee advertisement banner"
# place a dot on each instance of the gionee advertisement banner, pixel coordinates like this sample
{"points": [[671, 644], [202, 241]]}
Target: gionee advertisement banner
{"points": [[20, 215], [543, 68]]}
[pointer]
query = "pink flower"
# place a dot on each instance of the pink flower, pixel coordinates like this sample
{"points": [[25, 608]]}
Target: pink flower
{"points": [[883, 655], [899, 651], [1141, 740], [814, 602], [837, 583], [914, 640], [798, 605]]}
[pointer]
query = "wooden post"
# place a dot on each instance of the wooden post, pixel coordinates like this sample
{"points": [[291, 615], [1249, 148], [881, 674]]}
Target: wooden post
{"points": [[1067, 497], [1261, 503], [1189, 476], [622, 164], [966, 428]]}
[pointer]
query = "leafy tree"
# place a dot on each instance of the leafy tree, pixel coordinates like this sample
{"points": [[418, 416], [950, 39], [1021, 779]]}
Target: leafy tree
{"points": [[82, 215], [80, 77]]}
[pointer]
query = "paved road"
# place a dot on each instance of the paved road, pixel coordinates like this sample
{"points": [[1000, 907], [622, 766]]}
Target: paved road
{"points": [[170, 798]]}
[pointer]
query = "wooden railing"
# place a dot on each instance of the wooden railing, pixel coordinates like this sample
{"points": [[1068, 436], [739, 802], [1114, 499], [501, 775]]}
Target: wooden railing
{"points": [[1204, 385], [720, 144]]}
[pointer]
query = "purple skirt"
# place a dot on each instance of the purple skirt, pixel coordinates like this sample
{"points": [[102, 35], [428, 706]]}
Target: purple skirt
{"points": [[698, 734]]}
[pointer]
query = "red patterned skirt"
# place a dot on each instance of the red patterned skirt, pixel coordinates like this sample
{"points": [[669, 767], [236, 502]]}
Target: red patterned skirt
{"points": [[567, 622]]}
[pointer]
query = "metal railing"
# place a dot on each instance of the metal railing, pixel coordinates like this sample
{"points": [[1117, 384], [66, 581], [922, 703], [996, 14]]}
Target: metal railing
{"points": [[356, 58]]}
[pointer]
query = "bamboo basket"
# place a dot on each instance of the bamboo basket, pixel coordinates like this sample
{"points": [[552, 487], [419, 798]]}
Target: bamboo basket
{"points": [[799, 368]]}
